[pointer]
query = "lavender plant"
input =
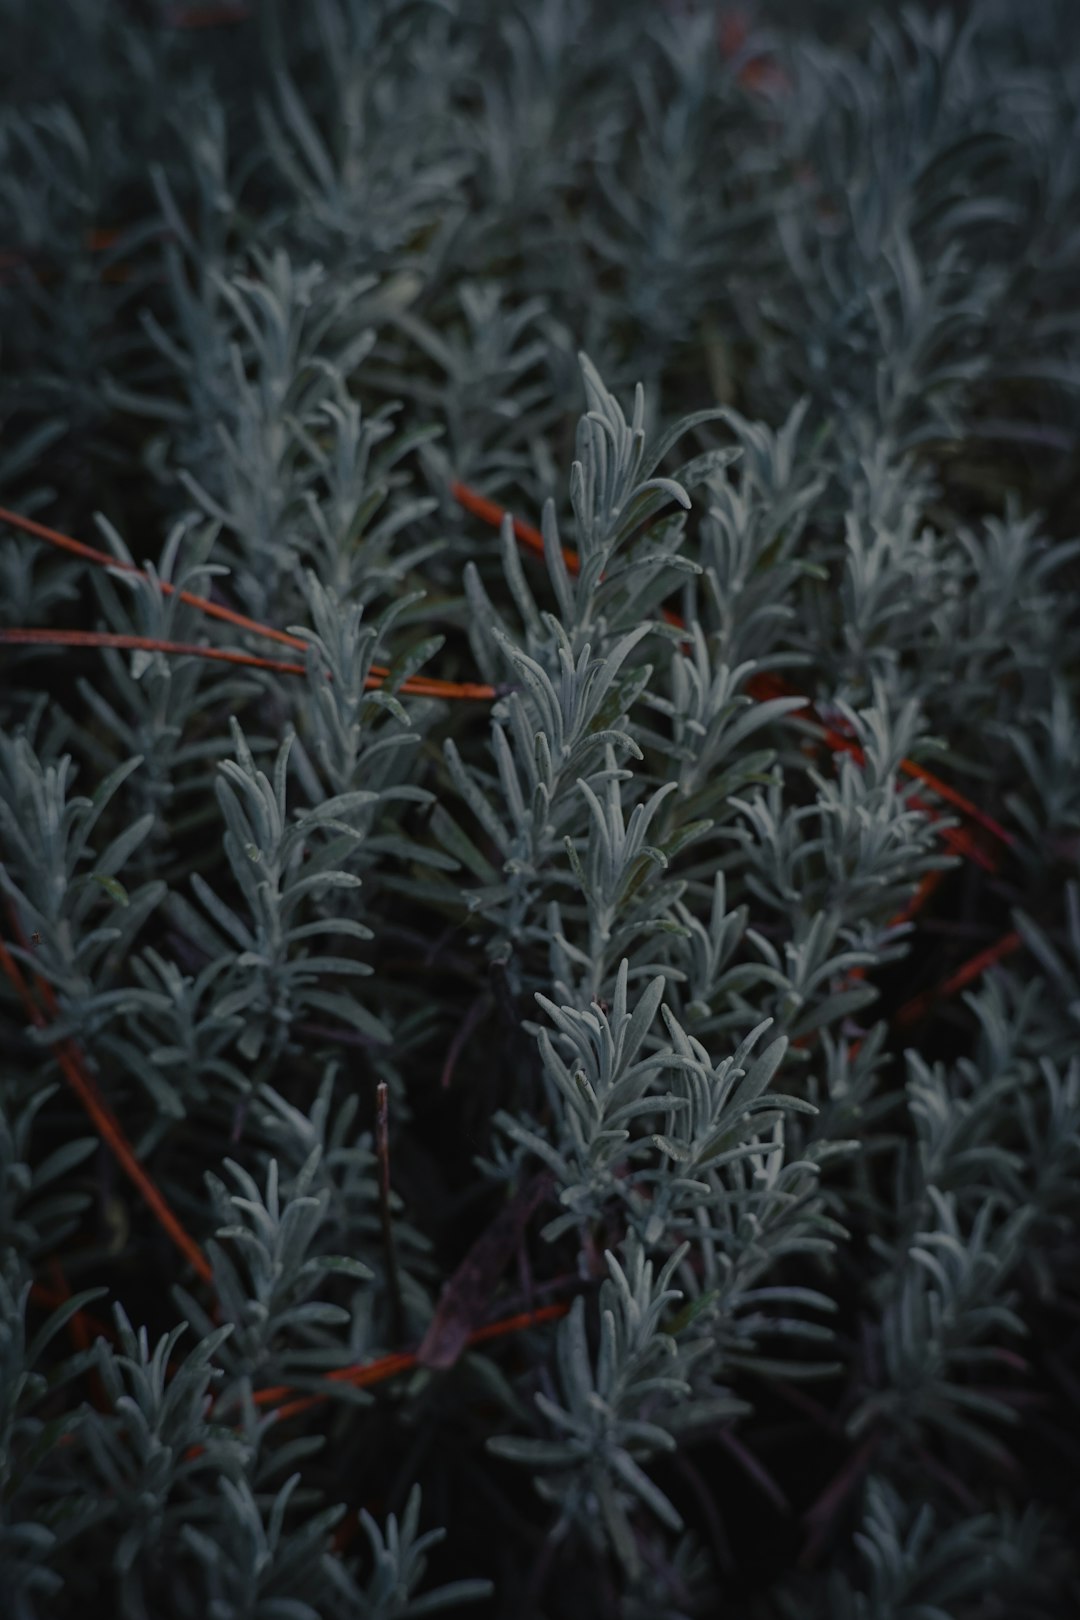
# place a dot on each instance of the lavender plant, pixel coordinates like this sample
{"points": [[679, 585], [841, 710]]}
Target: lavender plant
{"points": [[547, 1086]]}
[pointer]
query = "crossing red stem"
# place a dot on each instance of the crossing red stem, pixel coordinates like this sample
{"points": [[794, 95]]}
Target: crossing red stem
{"points": [[418, 686]]}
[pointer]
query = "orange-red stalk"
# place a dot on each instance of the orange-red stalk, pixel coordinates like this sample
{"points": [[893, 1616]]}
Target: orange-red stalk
{"points": [[971, 970], [108, 1126], [418, 686]]}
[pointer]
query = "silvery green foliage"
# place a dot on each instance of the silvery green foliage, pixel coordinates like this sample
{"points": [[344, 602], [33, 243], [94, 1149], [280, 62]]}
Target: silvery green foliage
{"points": [[866, 847], [33, 1532], [940, 1311], [751, 536], [244, 1549], [378, 178], [671, 1588], [672, 1148], [596, 1471], [172, 1041], [268, 1269], [35, 1215], [324, 1155], [156, 700], [493, 388], [359, 735], [665, 1135], [139, 1451], [711, 716], [918, 604], [30, 584], [600, 1092], [400, 1560], [271, 978], [895, 269], [631, 931], [539, 844], [614, 491], [68, 894], [280, 388], [1047, 746], [256, 1562], [912, 1564], [1059, 1004]]}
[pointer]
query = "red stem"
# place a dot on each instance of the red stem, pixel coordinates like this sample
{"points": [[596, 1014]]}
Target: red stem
{"points": [[416, 686], [973, 969], [375, 1372], [108, 1126], [419, 686]]}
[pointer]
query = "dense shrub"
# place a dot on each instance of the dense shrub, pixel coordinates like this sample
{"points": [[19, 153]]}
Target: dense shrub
{"points": [[548, 1084]]}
